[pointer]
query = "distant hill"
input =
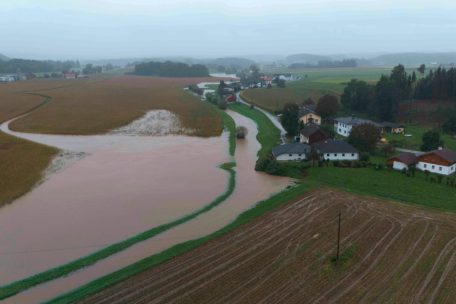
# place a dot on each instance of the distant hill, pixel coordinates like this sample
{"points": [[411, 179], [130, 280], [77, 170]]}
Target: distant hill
{"points": [[306, 58], [414, 58], [3, 57], [236, 62]]}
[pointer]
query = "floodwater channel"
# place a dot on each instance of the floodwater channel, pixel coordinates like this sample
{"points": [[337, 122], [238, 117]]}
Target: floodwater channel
{"points": [[125, 185]]}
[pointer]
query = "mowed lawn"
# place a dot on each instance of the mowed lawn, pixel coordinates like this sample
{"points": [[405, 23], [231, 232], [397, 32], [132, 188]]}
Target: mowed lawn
{"points": [[388, 184], [99, 106], [414, 141]]}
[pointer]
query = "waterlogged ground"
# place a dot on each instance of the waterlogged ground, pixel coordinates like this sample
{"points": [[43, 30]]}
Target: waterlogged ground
{"points": [[125, 185]]}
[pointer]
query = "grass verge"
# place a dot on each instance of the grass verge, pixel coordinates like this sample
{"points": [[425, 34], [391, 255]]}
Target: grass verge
{"points": [[268, 134], [18, 286], [231, 126], [140, 266], [388, 184]]}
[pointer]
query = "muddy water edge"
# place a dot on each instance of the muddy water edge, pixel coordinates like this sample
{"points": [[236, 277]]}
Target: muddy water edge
{"points": [[251, 187]]}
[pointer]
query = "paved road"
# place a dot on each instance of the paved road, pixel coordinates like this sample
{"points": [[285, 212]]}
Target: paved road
{"points": [[409, 151], [274, 119]]}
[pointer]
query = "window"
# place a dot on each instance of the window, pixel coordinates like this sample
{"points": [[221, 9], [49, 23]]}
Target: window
{"points": [[335, 154], [290, 155], [300, 154], [327, 154], [353, 154], [425, 166], [433, 167], [440, 168], [343, 154]]}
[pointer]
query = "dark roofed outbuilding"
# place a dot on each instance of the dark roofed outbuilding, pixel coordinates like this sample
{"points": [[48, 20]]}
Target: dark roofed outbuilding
{"points": [[293, 151]]}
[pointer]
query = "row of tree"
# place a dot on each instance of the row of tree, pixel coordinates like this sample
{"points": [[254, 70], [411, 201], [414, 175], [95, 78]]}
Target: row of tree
{"points": [[36, 66], [382, 99], [170, 69]]}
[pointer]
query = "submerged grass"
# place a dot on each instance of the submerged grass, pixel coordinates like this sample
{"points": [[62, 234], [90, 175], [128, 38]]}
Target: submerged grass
{"points": [[18, 286], [268, 134], [145, 264]]}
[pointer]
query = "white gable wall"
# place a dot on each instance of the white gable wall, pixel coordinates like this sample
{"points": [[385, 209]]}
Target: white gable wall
{"points": [[292, 156], [342, 129], [340, 156]]}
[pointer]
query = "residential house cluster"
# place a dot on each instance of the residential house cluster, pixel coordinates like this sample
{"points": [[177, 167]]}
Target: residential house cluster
{"points": [[440, 161], [344, 125], [312, 137]]}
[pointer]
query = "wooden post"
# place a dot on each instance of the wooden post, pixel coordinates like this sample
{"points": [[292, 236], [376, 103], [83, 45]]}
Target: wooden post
{"points": [[338, 239]]}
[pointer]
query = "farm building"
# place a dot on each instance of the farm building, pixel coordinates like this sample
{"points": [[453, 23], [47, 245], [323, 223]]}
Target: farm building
{"points": [[343, 125], [393, 128], [336, 150], [70, 75], [294, 151], [402, 161], [308, 116], [441, 161], [312, 134], [7, 78]]}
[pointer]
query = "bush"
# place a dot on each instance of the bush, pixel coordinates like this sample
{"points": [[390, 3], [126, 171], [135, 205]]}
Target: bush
{"points": [[222, 104], [364, 157], [241, 132]]}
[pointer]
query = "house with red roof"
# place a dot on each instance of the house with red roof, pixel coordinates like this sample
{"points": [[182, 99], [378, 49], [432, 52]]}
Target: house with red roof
{"points": [[440, 161], [402, 161]]}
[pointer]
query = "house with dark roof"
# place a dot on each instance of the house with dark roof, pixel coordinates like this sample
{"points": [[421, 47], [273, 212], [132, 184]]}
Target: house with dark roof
{"points": [[402, 161], [344, 125], [307, 115], [293, 151], [336, 150], [311, 134], [440, 161], [393, 128]]}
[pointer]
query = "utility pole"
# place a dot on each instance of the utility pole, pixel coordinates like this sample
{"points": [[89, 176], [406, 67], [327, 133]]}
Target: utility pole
{"points": [[338, 239]]}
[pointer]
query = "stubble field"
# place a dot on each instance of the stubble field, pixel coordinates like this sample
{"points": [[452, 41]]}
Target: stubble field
{"points": [[390, 253], [96, 107]]}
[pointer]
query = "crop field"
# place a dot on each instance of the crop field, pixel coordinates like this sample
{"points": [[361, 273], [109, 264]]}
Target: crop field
{"points": [[389, 253], [273, 99], [21, 161], [100, 105]]}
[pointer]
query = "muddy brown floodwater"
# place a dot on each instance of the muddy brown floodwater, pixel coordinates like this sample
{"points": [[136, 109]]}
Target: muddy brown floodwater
{"points": [[125, 186]]}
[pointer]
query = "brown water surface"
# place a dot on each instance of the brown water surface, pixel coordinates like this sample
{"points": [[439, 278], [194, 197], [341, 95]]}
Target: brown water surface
{"points": [[251, 187]]}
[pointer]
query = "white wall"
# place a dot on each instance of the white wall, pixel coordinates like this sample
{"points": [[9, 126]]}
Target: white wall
{"points": [[399, 166], [445, 170], [303, 139], [342, 129], [285, 157], [340, 156]]}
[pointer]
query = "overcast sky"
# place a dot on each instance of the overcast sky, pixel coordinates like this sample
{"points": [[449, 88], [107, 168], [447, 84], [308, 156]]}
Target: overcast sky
{"points": [[96, 29]]}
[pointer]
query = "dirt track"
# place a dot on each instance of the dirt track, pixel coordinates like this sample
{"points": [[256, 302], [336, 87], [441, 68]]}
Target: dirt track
{"points": [[399, 254]]}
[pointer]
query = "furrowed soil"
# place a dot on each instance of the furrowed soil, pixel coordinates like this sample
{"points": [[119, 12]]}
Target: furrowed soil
{"points": [[95, 106], [390, 253]]}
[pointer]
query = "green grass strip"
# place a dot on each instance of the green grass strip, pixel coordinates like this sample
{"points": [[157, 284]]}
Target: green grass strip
{"points": [[230, 125], [57, 272], [145, 264], [268, 134]]}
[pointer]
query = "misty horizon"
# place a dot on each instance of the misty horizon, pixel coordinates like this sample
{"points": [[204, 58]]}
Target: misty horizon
{"points": [[87, 30]]}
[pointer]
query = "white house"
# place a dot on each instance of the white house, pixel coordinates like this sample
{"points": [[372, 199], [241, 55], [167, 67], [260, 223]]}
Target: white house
{"points": [[294, 151], [7, 78], [441, 161], [336, 150], [402, 161], [344, 125]]}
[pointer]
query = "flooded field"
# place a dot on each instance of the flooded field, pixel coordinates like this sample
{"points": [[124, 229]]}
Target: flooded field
{"points": [[126, 184]]}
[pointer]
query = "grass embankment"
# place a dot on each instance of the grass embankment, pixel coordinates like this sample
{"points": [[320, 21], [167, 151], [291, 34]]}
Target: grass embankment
{"points": [[18, 286], [388, 184], [230, 125], [116, 102], [268, 135], [138, 267], [275, 98]]}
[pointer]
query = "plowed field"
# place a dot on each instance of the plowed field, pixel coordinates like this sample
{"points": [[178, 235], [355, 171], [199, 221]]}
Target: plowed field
{"points": [[389, 253]]}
